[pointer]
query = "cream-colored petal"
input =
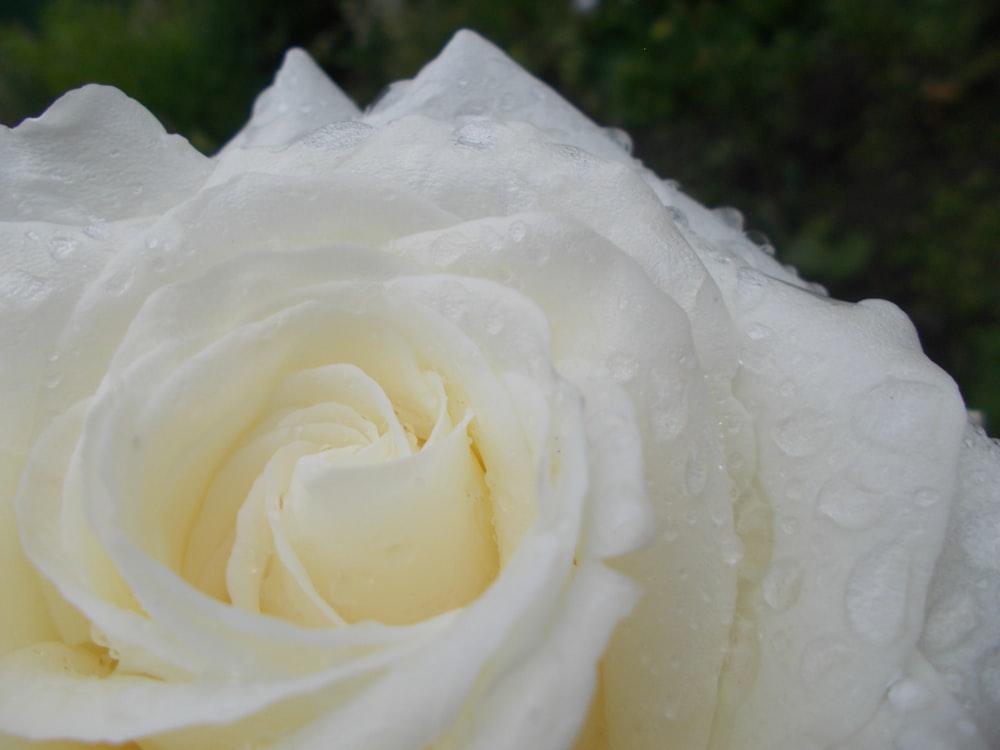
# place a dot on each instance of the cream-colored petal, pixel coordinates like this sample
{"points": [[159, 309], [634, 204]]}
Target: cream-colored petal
{"points": [[854, 427], [301, 99], [95, 155], [397, 542], [961, 631]]}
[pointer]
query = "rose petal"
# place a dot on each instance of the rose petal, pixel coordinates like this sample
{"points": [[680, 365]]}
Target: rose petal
{"points": [[961, 634], [94, 155], [301, 99], [853, 424], [473, 79]]}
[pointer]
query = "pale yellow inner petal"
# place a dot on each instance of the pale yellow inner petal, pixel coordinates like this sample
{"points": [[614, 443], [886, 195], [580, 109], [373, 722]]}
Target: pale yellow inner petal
{"points": [[339, 507]]}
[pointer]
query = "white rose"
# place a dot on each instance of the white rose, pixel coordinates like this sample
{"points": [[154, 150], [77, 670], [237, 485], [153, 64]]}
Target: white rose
{"points": [[348, 436]]}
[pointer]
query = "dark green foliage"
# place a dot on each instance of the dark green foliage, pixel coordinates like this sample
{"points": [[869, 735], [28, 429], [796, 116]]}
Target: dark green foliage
{"points": [[862, 137]]}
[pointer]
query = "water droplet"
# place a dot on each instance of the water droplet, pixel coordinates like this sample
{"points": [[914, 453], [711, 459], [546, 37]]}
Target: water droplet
{"points": [[952, 616], [921, 737], [448, 248], [896, 411], [906, 696], [620, 137], [622, 366], [732, 549], [677, 216], [491, 239], [989, 677], [799, 435], [782, 640], [478, 135], [19, 286], [731, 217], [926, 497], [97, 231], [782, 584], [339, 136], [61, 248], [761, 241], [876, 594], [32, 235], [53, 379], [670, 708], [749, 289], [517, 231], [120, 281], [495, 323], [847, 505], [668, 407], [695, 471], [789, 525], [152, 243], [758, 332], [821, 657], [669, 532]]}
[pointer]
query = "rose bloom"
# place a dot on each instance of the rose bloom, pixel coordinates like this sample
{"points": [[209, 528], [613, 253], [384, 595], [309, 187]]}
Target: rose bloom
{"points": [[449, 425]]}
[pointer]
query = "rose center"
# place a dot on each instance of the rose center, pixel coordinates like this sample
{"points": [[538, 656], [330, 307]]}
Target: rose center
{"points": [[339, 506]]}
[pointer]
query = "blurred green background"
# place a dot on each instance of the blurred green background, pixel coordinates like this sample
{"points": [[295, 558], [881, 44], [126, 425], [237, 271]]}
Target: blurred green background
{"points": [[861, 136]]}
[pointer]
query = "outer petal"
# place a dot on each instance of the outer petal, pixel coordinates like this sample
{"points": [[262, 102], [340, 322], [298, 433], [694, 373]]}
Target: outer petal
{"points": [[961, 636], [857, 455], [301, 99], [94, 155], [472, 79]]}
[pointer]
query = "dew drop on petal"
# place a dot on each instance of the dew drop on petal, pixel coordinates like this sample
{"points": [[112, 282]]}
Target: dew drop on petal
{"points": [[495, 323], [782, 584], [761, 241], [848, 505], [477, 135], [989, 676], [732, 549], [677, 216], [21, 287], [891, 413], [620, 137], [757, 331], [731, 217], [951, 617], [61, 248], [926, 497], [97, 231], [822, 656], [120, 281], [876, 594], [517, 231], [906, 696], [749, 289], [622, 366], [695, 471]]}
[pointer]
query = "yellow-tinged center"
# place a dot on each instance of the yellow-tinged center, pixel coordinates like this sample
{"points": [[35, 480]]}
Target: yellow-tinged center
{"points": [[339, 506]]}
